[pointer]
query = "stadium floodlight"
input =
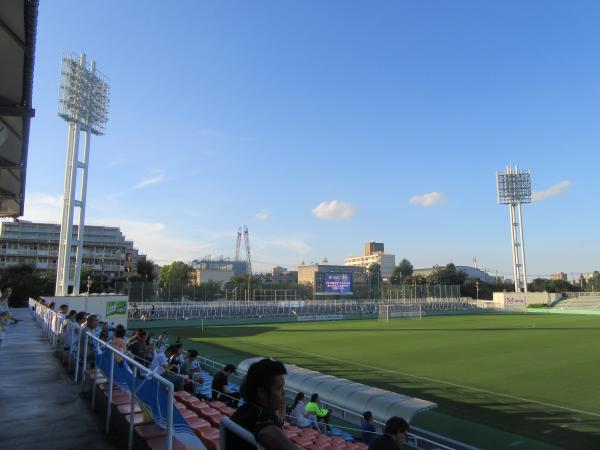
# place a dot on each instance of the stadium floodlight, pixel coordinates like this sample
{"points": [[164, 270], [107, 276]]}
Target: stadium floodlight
{"points": [[83, 104], [514, 189]]}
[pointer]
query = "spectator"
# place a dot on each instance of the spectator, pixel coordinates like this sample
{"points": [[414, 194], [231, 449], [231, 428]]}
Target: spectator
{"points": [[219, 388], [298, 414], [367, 428], [104, 334], [138, 347], [134, 311], [264, 410], [160, 365], [321, 414], [4, 319], [5, 294], [91, 325], [394, 435], [118, 341]]}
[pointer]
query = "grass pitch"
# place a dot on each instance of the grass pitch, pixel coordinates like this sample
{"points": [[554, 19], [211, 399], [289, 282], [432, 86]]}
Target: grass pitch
{"points": [[495, 378]]}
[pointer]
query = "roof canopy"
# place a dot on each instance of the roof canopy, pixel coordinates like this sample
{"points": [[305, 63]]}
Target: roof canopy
{"points": [[18, 24], [351, 396]]}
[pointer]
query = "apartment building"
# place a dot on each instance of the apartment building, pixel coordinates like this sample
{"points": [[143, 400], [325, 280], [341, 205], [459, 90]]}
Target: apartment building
{"points": [[105, 249]]}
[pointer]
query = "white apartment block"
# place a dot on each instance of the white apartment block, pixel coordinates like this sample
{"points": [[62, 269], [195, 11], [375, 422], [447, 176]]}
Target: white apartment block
{"points": [[386, 261], [105, 249]]}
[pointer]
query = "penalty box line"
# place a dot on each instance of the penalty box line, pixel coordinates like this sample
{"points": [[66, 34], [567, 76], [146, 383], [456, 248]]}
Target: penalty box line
{"points": [[433, 380]]}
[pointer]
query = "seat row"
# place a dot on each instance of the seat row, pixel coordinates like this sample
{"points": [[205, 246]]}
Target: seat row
{"points": [[204, 419]]}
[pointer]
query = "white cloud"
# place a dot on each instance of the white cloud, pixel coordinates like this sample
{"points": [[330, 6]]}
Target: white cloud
{"points": [[41, 207], [429, 199], [154, 177], [156, 240], [553, 191], [263, 214], [334, 210]]}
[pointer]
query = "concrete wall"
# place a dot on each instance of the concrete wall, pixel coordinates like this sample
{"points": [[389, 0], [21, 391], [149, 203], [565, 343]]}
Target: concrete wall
{"points": [[520, 300]]}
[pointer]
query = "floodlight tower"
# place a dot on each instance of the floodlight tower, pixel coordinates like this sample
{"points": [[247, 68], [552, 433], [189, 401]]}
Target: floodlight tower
{"points": [[83, 104], [514, 189]]}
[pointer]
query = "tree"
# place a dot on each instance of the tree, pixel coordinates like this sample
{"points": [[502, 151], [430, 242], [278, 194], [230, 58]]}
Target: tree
{"points": [[145, 268], [374, 279], [176, 272], [26, 282], [447, 275], [402, 272]]}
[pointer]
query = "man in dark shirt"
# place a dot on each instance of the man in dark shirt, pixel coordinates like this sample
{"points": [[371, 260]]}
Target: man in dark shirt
{"points": [[263, 413], [394, 435], [219, 388]]}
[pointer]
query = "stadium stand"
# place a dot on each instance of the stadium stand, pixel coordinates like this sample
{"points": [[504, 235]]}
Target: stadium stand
{"points": [[581, 301], [179, 420]]}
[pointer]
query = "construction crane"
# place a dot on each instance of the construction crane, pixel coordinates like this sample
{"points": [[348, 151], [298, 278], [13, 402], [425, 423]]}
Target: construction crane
{"points": [[244, 231]]}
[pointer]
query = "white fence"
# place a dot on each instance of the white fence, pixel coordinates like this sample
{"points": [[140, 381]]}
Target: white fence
{"points": [[189, 310]]}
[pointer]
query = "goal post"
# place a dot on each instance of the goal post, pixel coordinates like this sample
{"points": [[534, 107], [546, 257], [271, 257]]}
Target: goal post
{"points": [[400, 311]]}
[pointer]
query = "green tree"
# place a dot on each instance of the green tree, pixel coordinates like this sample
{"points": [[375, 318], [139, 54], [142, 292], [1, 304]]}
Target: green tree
{"points": [[447, 275], [402, 272], [176, 272], [145, 269], [26, 282]]}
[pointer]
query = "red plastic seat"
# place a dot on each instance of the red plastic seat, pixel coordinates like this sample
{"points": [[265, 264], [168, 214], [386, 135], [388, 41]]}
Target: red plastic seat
{"points": [[150, 431], [126, 409], [215, 419], [198, 424], [161, 444], [226, 410], [121, 398], [187, 413], [181, 395], [139, 419], [210, 438]]}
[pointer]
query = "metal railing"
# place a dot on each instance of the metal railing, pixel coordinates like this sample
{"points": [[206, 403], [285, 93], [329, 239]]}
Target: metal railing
{"points": [[189, 310], [48, 319]]}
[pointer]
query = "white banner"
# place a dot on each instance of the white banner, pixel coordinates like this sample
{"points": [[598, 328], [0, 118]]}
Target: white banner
{"points": [[323, 317]]}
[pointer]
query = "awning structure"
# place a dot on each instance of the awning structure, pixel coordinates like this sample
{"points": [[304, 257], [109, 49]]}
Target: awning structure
{"points": [[18, 27], [348, 395]]}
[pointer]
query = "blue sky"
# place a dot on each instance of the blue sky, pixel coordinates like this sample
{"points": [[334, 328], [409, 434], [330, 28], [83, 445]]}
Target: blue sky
{"points": [[315, 124]]}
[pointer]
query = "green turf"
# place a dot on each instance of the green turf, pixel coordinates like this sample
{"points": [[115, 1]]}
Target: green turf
{"points": [[536, 376]]}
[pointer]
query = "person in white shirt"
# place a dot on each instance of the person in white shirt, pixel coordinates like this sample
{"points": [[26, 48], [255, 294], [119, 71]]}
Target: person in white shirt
{"points": [[160, 365], [299, 417]]}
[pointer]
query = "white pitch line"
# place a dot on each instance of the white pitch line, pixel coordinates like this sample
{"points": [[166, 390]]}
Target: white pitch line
{"points": [[367, 366], [514, 444]]}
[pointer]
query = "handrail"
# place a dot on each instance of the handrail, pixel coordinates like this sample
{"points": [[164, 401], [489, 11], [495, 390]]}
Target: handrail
{"points": [[45, 318], [227, 424]]}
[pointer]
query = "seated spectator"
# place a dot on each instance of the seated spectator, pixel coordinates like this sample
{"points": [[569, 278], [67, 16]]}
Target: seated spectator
{"points": [[394, 435], [298, 414], [219, 388], [321, 414], [264, 410], [192, 369], [367, 427], [160, 365]]}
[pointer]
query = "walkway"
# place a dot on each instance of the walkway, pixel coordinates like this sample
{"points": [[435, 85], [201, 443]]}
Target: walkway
{"points": [[40, 407]]}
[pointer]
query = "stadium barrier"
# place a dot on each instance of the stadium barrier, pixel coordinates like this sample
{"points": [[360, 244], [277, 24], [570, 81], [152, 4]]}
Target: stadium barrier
{"points": [[301, 310]]}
